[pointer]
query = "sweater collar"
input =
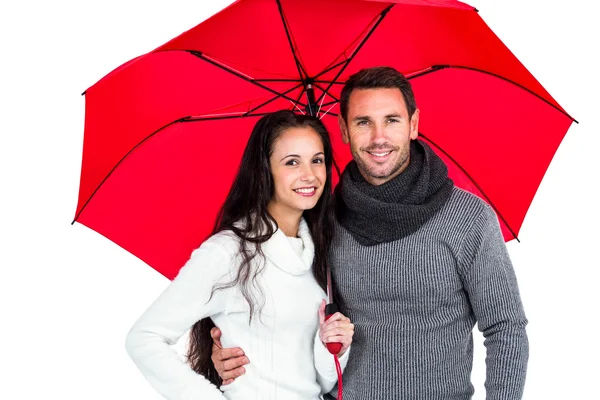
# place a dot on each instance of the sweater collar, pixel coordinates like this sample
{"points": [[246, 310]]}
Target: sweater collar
{"points": [[280, 252]]}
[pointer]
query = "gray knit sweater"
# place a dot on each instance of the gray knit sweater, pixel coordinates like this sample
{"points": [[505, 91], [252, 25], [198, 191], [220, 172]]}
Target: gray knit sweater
{"points": [[416, 300]]}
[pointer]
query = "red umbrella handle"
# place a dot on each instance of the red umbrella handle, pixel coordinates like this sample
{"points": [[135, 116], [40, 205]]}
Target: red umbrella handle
{"points": [[335, 348]]}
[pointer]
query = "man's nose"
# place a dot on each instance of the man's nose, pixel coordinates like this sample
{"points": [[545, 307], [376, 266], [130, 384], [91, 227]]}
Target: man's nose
{"points": [[378, 133]]}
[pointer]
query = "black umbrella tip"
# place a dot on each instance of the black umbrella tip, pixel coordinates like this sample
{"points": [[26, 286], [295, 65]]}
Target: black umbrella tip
{"points": [[384, 12], [476, 10], [83, 94]]}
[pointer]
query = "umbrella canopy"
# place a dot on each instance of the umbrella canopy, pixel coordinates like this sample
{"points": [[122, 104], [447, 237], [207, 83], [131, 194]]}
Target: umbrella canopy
{"points": [[164, 132]]}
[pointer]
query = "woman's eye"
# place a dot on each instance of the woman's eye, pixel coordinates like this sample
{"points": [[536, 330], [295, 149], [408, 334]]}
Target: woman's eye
{"points": [[318, 161], [292, 162]]}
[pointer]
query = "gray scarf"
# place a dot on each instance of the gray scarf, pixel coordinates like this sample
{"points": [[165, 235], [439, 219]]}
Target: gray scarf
{"points": [[399, 207]]}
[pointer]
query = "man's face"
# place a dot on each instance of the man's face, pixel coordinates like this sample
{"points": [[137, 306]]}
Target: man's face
{"points": [[379, 130]]}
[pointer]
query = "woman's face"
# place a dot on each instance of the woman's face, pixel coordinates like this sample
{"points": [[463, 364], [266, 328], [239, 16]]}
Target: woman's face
{"points": [[298, 169]]}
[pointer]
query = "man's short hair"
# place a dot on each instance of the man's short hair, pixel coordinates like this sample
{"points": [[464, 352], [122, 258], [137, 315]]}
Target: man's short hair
{"points": [[378, 78]]}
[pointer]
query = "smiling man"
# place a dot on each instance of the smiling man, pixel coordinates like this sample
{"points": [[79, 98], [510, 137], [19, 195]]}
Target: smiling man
{"points": [[416, 262], [379, 129]]}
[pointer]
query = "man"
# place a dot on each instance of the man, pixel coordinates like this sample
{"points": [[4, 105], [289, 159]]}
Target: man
{"points": [[416, 262]]}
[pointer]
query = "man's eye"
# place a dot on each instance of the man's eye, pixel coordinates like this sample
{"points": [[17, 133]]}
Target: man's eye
{"points": [[363, 122], [393, 120]]}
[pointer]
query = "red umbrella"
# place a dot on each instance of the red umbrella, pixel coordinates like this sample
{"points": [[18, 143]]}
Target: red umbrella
{"points": [[165, 131]]}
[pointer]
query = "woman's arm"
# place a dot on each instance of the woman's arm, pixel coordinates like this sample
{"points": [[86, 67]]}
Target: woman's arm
{"points": [[337, 329], [184, 302]]}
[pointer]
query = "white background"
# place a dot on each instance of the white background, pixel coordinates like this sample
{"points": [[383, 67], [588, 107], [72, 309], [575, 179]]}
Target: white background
{"points": [[68, 295]]}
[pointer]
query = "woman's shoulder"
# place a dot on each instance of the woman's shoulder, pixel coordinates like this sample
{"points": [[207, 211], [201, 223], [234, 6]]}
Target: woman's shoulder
{"points": [[225, 241]]}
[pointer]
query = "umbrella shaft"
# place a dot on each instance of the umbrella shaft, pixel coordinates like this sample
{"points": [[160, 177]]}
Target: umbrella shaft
{"points": [[311, 106]]}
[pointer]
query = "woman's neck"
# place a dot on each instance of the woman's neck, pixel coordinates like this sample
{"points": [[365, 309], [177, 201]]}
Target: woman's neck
{"points": [[287, 220]]}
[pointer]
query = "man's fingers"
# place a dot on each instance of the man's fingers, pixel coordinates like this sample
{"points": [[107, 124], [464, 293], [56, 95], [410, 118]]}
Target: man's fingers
{"points": [[220, 356], [228, 367], [234, 363], [229, 376], [228, 362], [215, 334], [230, 352]]}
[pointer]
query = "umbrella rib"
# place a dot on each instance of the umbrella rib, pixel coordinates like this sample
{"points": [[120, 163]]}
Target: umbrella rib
{"points": [[134, 148], [238, 74], [332, 82], [330, 103], [435, 68], [474, 183], [298, 99], [330, 95], [275, 98], [355, 52], [289, 37], [334, 66], [222, 117], [278, 80]]}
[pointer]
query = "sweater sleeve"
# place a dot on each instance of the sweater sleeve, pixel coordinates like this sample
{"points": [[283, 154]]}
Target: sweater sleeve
{"points": [[325, 365], [491, 285], [181, 305]]}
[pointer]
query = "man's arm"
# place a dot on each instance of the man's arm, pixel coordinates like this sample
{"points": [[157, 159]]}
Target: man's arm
{"points": [[490, 282], [228, 362]]}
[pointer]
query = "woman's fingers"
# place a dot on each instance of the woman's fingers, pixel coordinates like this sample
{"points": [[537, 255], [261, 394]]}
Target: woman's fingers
{"points": [[343, 339], [337, 326], [337, 329], [336, 317], [321, 312]]}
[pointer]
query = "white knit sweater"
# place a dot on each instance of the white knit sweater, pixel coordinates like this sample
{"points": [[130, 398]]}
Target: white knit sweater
{"points": [[287, 359]]}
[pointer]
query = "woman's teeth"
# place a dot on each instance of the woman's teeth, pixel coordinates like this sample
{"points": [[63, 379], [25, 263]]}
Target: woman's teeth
{"points": [[305, 190]]}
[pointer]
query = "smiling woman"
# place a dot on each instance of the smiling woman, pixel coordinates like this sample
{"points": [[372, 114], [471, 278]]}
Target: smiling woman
{"points": [[266, 258], [299, 176]]}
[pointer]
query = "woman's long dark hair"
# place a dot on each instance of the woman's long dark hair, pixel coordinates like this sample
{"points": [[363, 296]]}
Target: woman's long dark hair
{"points": [[247, 201]]}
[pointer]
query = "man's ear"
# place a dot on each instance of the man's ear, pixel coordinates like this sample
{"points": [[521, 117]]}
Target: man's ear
{"points": [[343, 129], [414, 125]]}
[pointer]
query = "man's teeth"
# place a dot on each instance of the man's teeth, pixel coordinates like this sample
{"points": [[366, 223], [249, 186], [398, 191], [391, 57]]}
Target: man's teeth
{"points": [[307, 190], [381, 154]]}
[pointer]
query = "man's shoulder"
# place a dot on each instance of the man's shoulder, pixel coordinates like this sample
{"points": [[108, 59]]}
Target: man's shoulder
{"points": [[464, 202]]}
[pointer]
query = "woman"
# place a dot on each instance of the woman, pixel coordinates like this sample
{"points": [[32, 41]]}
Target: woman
{"points": [[260, 278]]}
